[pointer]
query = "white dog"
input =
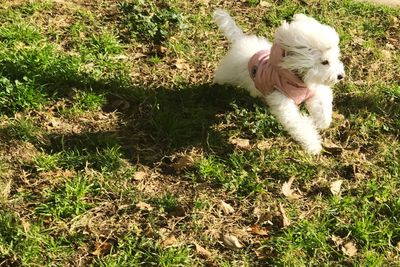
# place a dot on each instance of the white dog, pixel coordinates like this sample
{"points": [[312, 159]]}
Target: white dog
{"points": [[299, 66]]}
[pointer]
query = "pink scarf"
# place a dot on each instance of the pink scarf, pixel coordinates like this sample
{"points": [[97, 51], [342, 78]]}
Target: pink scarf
{"points": [[268, 76]]}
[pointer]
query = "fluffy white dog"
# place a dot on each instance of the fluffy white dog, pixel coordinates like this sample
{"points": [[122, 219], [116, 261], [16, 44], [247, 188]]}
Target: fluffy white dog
{"points": [[299, 66]]}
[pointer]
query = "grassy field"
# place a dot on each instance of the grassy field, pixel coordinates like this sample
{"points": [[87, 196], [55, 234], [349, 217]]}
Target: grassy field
{"points": [[116, 149]]}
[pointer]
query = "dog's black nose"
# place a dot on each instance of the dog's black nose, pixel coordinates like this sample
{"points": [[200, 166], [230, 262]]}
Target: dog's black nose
{"points": [[339, 77]]}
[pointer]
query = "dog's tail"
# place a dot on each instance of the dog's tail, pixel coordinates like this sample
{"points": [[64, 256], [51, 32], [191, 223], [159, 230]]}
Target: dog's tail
{"points": [[227, 25]]}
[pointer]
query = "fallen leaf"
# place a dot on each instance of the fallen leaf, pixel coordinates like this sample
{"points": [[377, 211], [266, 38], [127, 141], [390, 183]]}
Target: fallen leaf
{"points": [[257, 230], [139, 55], [226, 208], [140, 175], [335, 187], [332, 148], [265, 4], [386, 54], [169, 241], [285, 219], [181, 64], [26, 225], [54, 122], [231, 241], [264, 145], [349, 249], [183, 163], [337, 240], [101, 248], [202, 251], [240, 143], [287, 191], [144, 206], [161, 49], [120, 57], [5, 192], [398, 246]]}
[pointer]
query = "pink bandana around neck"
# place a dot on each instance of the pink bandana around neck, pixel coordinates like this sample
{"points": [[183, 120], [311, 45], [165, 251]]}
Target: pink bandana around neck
{"points": [[268, 76]]}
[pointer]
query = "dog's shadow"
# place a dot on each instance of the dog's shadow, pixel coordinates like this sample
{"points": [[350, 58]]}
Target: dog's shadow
{"points": [[156, 123]]}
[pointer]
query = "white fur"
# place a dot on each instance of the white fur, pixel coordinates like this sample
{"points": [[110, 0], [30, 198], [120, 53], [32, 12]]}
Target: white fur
{"points": [[307, 43]]}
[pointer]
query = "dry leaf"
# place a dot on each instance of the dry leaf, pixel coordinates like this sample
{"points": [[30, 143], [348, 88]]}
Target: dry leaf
{"points": [[240, 143], [332, 148], [264, 145], [169, 241], [335, 187], [257, 230], [337, 240], [161, 49], [398, 246], [183, 163], [285, 219], [139, 55], [349, 249], [202, 251], [26, 225], [287, 191], [386, 54], [226, 208], [5, 192], [120, 57], [231, 241], [144, 206], [265, 4], [181, 64], [101, 248], [140, 175]]}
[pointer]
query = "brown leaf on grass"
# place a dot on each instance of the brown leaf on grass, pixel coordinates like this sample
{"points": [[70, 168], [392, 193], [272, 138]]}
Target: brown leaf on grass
{"points": [[265, 4], [169, 241], [287, 191], [257, 230], [240, 143], [285, 219], [140, 175], [138, 55], [349, 249], [335, 187], [101, 248], [231, 241], [26, 225], [183, 163], [5, 191], [181, 64], [144, 206], [337, 240], [204, 253], [264, 145], [332, 148], [226, 208]]}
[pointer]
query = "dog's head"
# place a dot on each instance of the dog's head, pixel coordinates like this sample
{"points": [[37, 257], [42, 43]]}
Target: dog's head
{"points": [[311, 50]]}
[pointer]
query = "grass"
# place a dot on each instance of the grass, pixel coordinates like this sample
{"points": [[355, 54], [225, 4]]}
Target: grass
{"points": [[116, 149]]}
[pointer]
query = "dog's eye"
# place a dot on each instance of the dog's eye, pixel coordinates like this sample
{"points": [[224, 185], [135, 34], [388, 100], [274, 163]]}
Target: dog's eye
{"points": [[325, 62]]}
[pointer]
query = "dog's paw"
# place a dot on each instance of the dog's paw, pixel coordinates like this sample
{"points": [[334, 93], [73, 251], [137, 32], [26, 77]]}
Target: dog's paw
{"points": [[323, 124], [314, 148]]}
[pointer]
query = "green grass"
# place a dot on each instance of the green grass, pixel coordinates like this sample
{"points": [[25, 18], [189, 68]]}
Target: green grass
{"points": [[118, 149]]}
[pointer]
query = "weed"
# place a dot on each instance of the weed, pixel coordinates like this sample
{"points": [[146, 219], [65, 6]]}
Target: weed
{"points": [[68, 201], [149, 21]]}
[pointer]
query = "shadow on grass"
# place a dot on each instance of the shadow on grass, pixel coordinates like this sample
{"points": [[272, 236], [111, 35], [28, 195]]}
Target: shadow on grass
{"points": [[154, 124]]}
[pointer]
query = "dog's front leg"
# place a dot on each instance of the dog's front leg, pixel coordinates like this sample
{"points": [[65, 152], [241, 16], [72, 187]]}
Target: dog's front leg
{"points": [[320, 107], [299, 126]]}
